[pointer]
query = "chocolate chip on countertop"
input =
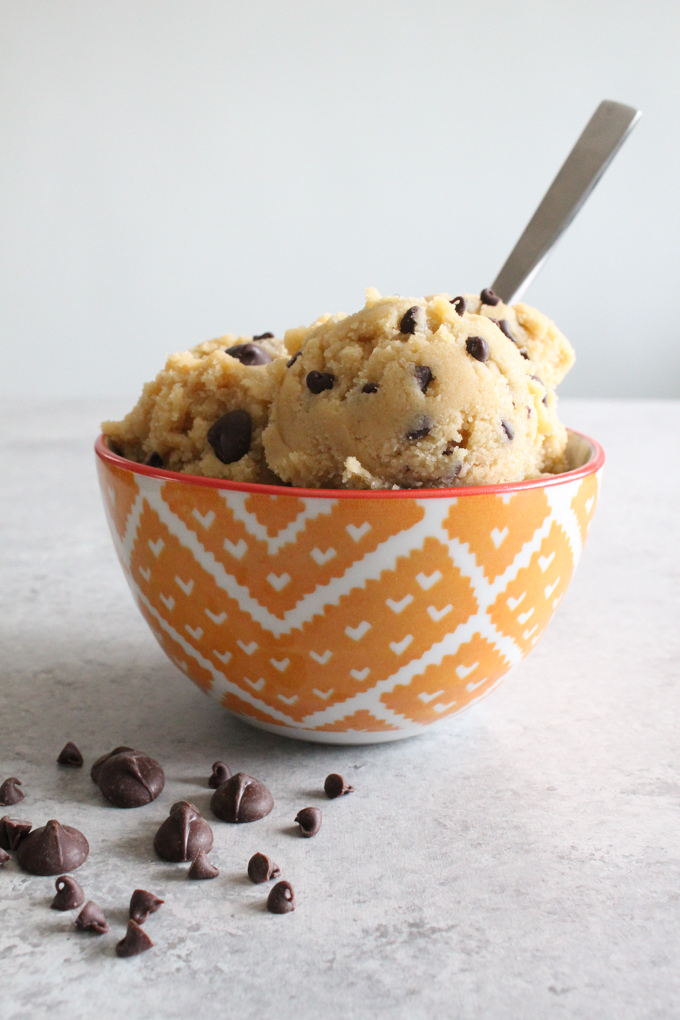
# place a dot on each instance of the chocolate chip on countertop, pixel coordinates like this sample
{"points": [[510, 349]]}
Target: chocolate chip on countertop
{"points": [[370, 387], [201, 868], [52, 848], [154, 460], [262, 869], [251, 354], [12, 831], [136, 941], [4, 857], [309, 821], [69, 894], [420, 433], [220, 774], [92, 918], [289, 364], [241, 799], [489, 297], [460, 304], [230, 436], [143, 903], [70, 755], [477, 348], [183, 833], [281, 899], [8, 792], [317, 382], [423, 376], [264, 336], [410, 320], [508, 429], [128, 778], [335, 786]]}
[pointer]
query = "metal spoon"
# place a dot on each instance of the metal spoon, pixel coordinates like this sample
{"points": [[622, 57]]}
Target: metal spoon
{"points": [[603, 136]]}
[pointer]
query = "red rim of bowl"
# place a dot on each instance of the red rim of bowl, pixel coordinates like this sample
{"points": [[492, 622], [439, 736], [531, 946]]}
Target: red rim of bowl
{"points": [[593, 464]]}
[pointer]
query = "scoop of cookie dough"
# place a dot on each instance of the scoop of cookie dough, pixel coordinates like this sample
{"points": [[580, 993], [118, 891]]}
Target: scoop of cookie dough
{"points": [[409, 393], [206, 411]]}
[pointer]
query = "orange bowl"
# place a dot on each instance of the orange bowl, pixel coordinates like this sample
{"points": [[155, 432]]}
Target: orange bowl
{"points": [[346, 616]]}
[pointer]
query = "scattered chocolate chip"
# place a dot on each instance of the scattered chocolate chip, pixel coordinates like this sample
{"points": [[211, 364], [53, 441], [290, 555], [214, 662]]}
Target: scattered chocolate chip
{"points": [[309, 820], [8, 792], [69, 894], [220, 774], [154, 460], [12, 831], [477, 348], [317, 382], [143, 903], [183, 833], [230, 436], [262, 869], [370, 387], [489, 297], [289, 364], [136, 941], [335, 786], [420, 433], [128, 778], [4, 857], [410, 320], [508, 429], [251, 354], [281, 899], [70, 755], [201, 868], [504, 327], [264, 336], [423, 376], [92, 918], [460, 304], [52, 848], [241, 799]]}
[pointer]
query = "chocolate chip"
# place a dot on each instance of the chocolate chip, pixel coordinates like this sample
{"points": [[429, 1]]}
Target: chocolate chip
{"points": [[136, 941], [230, 436], [309, 820], [71, 756], [460, 304], [504, 327], [523, 351], [488, 297], [528, 411], [262, 869], [4, 857], [264, 336], [281, 899], [128, 778], [423, 376], [12, 831], [477, 348], [410, 320], [91, 918], [241, 799], [251, 354], [69, 894], [424, 430], [143, 903], [154, 460], [335, 786], [289, 364], [544, 399], [220, 774], [8, 792], [201, 868], [317, 382], [370, 387], [183, 833], [454, 472], [52, 848], [508, 429]]}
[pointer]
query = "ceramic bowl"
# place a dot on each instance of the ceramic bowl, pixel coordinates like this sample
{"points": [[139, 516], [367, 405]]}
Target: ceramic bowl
{"points": [[343, 616]]}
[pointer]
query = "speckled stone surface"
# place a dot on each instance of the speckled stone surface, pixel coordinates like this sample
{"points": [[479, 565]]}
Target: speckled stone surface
{"points": [[523, 862]]}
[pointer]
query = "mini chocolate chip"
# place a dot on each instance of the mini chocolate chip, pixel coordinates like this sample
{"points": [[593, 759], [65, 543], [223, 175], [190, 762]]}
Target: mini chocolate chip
{"points": [[143, 903], [289, 364], [370, 387], [154, 460], [128, 778], [183, 833], [489, 297], [504, 327], [508, 429], [12, 831], [201, 868], [4, 857], [241, 799], [8, 792], [460, 304], [281, 899], [230, 436], [420, 433], [220, 774], [477, 348], [309, 821], [528, 411], [525, 354], [71, 756], [262, 869], [335, 786], [423, 376], [317, 382], [92, 918], [52, 848], [454, 472], [250, 354], [264, 336], [69, 896], [410, 320], [136, 941]]}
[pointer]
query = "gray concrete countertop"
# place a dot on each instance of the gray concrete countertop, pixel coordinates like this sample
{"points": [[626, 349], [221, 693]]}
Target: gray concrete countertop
{"points": [[522, 863]]}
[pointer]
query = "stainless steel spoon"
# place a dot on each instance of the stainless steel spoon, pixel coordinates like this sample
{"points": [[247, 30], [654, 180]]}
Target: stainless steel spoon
{"points": [[603, 136]]}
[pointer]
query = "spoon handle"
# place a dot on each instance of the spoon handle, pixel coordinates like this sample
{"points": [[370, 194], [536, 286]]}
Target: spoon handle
{"points": [[603, 136]]}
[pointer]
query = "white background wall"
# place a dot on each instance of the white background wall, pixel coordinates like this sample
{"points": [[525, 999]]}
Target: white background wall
{"points": [[174, 169]]}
